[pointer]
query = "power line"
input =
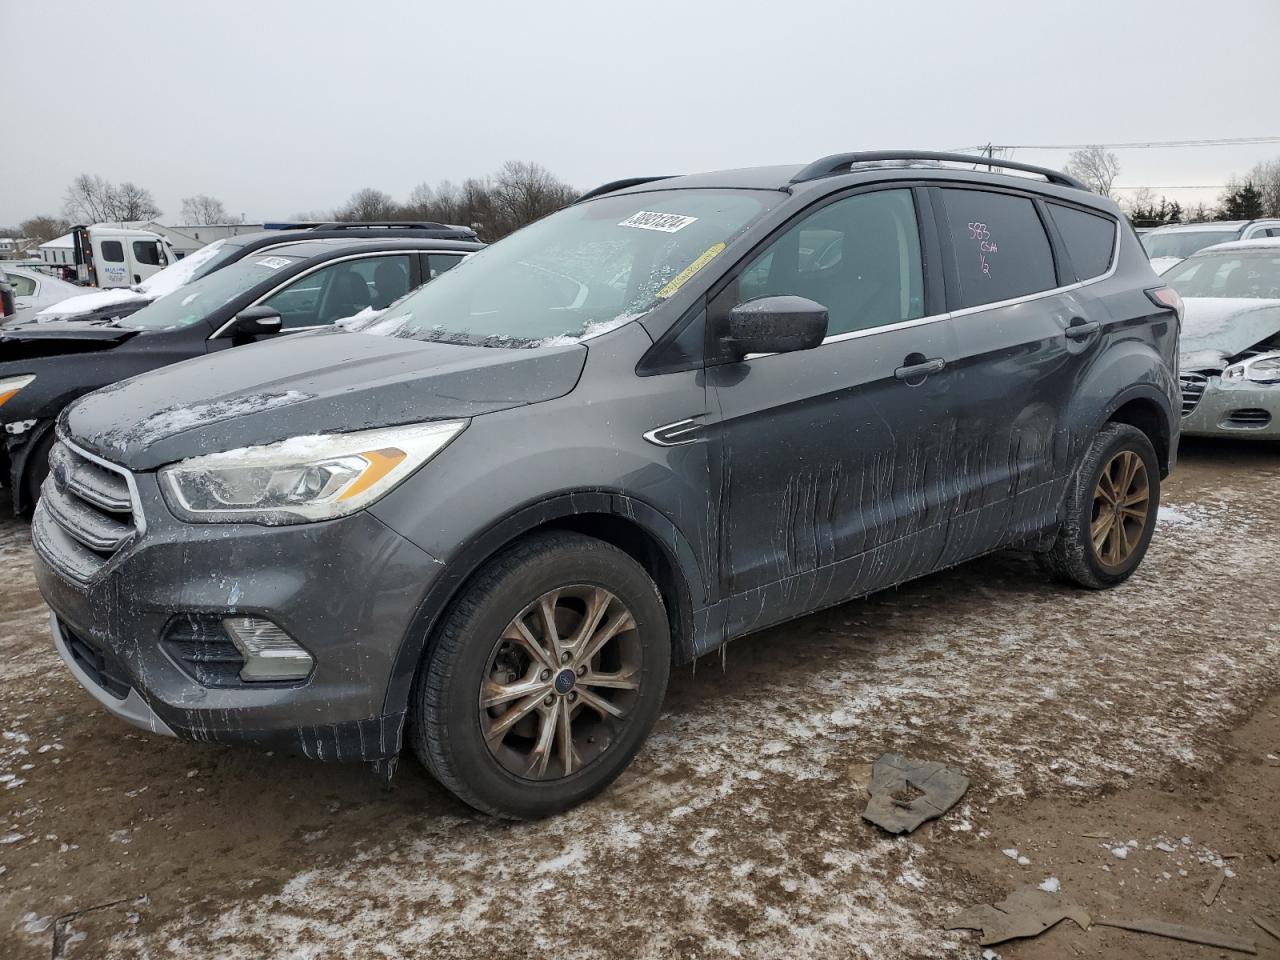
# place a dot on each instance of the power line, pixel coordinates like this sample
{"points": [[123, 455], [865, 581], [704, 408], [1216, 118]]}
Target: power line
{"points": [[1135, 145]]}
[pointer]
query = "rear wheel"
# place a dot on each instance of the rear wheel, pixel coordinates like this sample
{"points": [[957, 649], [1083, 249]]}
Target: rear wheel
{"points": [[1110, 509], [545, 678]]}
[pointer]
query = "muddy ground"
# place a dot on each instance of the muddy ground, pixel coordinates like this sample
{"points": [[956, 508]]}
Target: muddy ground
{"points": [[1125, 743]]}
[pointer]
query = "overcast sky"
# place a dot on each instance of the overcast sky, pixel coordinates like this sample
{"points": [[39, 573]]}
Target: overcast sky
{"points": [[279, 107]]}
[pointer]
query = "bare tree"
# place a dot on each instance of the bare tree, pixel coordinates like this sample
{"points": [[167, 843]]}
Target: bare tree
{"points": [[1095, 167], [44, 228], [133, 202], [94, 199], [203, 209], [89, 199], [368, 204], [525, 192]]}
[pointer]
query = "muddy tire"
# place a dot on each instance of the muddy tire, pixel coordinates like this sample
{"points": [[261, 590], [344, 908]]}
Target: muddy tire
{"points": [[544, 678], [1110, 510]]}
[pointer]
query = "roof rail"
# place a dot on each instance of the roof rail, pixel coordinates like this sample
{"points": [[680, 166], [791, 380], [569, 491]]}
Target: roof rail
{"points": [[837, 162], [613, 185], [396, 224]]}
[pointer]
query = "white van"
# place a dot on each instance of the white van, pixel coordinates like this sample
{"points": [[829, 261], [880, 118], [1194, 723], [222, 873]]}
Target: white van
{"points": [[105, 256]]}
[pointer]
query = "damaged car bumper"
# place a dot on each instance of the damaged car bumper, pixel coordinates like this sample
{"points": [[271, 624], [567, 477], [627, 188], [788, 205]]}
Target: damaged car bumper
{"points": [[1213, 407], [144, 608]]}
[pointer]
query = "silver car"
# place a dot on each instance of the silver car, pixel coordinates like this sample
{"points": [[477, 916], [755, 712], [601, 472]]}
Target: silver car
{"points": [[1230, 351], [34, 291]]}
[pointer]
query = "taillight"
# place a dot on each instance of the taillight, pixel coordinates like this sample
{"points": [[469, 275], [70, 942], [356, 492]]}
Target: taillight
{"points": [[1168, 298]]}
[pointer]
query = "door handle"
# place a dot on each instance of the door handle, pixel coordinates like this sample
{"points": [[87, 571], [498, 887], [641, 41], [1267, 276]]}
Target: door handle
{"points": [[919, 368], [1081, 329]]}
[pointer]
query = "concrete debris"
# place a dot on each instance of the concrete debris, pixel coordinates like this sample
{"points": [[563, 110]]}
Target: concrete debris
{"points": [[1027, 912], [1271, 926], [1178, 931], [1211, 894], [905, 792]]}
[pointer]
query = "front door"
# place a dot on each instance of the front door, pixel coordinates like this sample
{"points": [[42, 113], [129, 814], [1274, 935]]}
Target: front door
{"points": [[837, 463]]}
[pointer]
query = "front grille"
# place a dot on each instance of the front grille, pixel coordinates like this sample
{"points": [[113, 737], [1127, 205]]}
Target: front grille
{"points": [[1192, 390], [86, 515], [1249, 417], [203, 651], [101, 666]]}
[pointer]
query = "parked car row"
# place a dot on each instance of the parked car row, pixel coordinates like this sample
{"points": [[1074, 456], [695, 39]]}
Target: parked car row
{"points": [[248, 288], [485, 518], [1174, 243]]}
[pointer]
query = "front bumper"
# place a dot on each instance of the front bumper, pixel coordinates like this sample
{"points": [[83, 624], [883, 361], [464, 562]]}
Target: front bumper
{"points": [[347, 590], [1245, 410]]}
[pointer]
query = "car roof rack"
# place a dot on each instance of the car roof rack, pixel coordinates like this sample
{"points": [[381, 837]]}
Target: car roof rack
{"points": [[838, 162], [390, 224], [613, 185]]}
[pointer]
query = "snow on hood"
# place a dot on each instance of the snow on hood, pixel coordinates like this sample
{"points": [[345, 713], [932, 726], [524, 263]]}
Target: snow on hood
{"points": [[153, 288], [1227, 325], [1162, 265]]}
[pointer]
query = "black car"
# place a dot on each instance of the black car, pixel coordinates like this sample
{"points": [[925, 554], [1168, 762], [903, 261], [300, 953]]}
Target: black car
{"points": [[488, 521], [221, 253], [302, 284]]}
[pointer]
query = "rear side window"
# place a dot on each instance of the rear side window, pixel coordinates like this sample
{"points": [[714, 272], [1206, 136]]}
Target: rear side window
{"points": [[1002, 251], [113, 251], [438, 263], [1090, 239]]}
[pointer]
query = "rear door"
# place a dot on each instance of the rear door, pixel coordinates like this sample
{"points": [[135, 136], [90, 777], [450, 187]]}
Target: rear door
{"points": [[836, 463], [1026, 333]]}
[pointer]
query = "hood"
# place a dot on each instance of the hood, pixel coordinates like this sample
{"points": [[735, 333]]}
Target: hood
{"points": [[28, 341], [1162, 264], [1227, 325], [90, 303], [326, 382]]}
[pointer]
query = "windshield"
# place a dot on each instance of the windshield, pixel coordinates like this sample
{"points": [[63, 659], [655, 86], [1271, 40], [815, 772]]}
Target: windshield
{"points": [[1254, 274], [194, 302], [577, 273], [226, 253], [1183, 243]]}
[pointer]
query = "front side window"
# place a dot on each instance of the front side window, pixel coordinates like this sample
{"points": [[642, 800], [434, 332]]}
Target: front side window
{"points": [[1001, 249], [579, 272], [113, 251], [197, 300], [147, 252], [859, 257], [341, 290], [1090, 239]]}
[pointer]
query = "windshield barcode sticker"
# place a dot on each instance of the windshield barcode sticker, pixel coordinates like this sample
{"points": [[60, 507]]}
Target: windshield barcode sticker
{"points": [[666, 222]]}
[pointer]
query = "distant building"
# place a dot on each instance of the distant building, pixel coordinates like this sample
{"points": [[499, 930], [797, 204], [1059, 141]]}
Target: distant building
{"points": [[190, 237], [12, 248], [61, 251]]}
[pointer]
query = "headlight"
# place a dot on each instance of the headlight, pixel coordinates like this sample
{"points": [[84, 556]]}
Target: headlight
{"points": [[11, 385], [304, 479], [1260, 369]]}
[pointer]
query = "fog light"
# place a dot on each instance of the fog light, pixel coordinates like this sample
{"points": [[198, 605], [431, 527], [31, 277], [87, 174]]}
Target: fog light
{"points": [[269, 653]]}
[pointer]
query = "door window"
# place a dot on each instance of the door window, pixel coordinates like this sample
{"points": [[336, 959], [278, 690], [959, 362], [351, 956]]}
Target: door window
{"points": [[113, 251], [1001, 249], [859, 257], [1090, 239], [147, 252], [438, 263], [22, 286], [340, 290]]}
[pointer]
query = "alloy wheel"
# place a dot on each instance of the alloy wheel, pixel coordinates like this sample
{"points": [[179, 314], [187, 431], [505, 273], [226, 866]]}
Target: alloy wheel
{"points": [[1121, 509], [560, 682]]}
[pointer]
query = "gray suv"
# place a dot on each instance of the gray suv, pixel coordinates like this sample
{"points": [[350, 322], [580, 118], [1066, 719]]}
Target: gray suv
{"points": [[489, 519]]}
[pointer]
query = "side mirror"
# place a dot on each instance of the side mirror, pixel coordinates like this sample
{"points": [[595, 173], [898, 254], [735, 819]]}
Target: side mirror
{"points": [[259, 321], [774, 325]]}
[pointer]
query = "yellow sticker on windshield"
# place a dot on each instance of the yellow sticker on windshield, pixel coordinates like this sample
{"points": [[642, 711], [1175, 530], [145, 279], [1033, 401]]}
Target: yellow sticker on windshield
{"points": [[683, 277]]}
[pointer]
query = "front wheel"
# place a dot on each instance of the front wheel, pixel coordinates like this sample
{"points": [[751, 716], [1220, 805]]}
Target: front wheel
{"points": [[1110, 509], [544, 679]]}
